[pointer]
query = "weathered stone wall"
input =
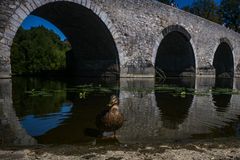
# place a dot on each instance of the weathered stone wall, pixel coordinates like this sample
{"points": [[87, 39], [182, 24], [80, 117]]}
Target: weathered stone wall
{"points": [[137, 28]]}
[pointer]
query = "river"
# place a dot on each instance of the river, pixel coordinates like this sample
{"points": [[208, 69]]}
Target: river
{"points": [[62, 111]]}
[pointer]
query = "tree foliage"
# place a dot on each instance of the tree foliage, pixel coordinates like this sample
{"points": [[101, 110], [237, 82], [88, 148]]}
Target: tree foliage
{"points": [[227, 13], [164, 1], [230, 13], [207, 9], [169, 2], [37, 50]]}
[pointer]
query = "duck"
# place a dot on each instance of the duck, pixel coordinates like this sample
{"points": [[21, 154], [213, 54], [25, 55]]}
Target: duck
{"points": [[110, 119]]}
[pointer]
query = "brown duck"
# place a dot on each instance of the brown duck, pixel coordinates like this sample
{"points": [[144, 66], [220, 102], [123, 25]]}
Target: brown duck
{"points": [[110, 119]]}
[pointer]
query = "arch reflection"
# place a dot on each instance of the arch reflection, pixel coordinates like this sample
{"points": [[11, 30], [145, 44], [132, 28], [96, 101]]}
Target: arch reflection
{"points": [[222, 93], [151, 117], [61, 118], [174, 108]]}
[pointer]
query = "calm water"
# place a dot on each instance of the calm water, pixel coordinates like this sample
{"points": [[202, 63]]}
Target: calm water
{"points": [[64, 111]]}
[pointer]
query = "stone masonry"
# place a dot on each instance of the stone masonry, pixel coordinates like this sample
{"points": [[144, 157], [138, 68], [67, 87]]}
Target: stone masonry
{"points": [[137, 28]]}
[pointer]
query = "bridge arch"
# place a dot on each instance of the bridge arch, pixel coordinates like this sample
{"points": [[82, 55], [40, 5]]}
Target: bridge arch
{"points": [[223, 60], [88, 7], [165, 44]]}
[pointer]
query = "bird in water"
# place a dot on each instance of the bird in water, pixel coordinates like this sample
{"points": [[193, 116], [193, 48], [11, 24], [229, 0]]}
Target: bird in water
{"points": [[110, 119]]}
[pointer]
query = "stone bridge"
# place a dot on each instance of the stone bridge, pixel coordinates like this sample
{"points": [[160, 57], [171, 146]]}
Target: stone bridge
{"points": [[130, 38]]}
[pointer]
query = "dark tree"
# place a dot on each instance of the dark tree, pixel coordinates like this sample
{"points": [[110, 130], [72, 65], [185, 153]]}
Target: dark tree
{"points": [[37, 50], [207, 9], [169, 2], [230, 13], [164, 1]]}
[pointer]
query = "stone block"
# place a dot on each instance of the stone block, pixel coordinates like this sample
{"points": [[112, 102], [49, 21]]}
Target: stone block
{"points": [[136, 28]]}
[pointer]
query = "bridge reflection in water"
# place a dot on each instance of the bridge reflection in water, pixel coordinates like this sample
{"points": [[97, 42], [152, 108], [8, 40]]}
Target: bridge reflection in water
{"points": [[179, 109], [157, 117]]}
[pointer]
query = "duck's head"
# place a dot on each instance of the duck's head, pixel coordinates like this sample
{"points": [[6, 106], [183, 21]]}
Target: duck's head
{"points": [[113, 101]]}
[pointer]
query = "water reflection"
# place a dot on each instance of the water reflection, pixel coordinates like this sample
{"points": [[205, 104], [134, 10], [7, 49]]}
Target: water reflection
{"points": [[11, 132], [62, 116], [138, 104], [84, 112], [39, 125], [174, 108], [53, 112], [37, 104], [222, 100]]}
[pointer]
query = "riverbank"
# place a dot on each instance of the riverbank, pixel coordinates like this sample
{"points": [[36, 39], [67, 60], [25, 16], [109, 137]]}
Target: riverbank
{"points": [[212, 149]]}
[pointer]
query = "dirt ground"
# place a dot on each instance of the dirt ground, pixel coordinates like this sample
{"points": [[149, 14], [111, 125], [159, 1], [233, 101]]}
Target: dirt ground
{"points": [[215, 149]]}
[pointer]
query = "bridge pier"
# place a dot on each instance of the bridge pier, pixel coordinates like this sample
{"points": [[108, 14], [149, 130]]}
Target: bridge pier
{"points": [[206, 72], [5, 65], [133, 34], [138, 68]]}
